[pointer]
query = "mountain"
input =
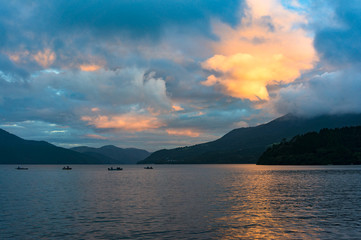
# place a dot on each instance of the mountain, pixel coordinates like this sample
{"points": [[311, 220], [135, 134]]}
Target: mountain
{"points": [[15, 150], [329, 146], [113, 154], [245, 145]]}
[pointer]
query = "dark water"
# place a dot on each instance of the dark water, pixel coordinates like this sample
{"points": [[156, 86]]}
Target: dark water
{"points": [[181, 202]]}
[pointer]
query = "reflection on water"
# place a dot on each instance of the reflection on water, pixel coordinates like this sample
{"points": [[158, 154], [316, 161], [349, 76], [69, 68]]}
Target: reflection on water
{"points": [[181, 202], [314, 203]]}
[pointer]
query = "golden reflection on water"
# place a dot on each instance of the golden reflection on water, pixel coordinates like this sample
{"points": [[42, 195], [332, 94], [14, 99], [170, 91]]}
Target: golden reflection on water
{"points": [[270, 209]]}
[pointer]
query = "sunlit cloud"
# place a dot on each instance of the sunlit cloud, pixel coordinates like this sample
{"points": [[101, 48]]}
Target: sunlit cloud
{"points": [[269, 47], [90, 67], [132, 122], [45, 58], [183, 132], [96, 136], [241, 124], [177, 108], [18, 57]]}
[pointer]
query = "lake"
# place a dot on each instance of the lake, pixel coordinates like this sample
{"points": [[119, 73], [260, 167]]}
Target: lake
{"points": [[180, 202]]}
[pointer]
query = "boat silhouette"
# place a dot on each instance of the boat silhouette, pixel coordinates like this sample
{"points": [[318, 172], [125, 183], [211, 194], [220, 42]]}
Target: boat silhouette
{"points": [[21, 168], [115, 169]]}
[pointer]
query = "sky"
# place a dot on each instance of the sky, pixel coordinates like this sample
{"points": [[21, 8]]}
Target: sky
{"points": [[155, 74]]}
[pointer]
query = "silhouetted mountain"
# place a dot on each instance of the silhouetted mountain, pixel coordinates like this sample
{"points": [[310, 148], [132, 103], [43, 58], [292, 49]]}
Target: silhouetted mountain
{"points": [[114, 154], [245, 145], [329, 146], [15, 150]]}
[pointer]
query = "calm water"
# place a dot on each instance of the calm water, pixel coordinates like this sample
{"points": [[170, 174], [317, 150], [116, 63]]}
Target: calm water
{"points": [[181, 202]]}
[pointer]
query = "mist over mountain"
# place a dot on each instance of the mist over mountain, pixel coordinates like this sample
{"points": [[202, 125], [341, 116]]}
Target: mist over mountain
{"points": [[114, 154], [245, 145]]}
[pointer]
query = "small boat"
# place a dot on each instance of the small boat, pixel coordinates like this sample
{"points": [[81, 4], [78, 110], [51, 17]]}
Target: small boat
{"points": [[67, 168], [21, 168], [147, 167], [115, 169]]}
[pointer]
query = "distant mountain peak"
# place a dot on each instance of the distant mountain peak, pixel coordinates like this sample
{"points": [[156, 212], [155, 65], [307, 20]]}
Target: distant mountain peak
{"points": [[110, 147], [115, 154]]}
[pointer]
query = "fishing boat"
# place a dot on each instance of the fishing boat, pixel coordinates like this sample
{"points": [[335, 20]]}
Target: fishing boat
{"points": [[67, 168], [21, 168], [115, 169], [147, 167]]}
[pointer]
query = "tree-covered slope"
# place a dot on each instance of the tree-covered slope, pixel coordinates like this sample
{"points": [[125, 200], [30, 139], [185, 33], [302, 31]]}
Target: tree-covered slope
{"points": [[329, 146]]}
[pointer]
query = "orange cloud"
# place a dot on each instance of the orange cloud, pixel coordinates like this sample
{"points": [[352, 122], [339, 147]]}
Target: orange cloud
{"points": [[183, 132], [90, 67], [45, 58], [268, 48], [177, 108], [128, 122], [14, 58], [18, 57], [95, 136]]}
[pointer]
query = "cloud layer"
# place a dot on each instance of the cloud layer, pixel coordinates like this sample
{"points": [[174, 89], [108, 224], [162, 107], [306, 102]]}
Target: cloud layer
{"points": [[335, 84], [156, 74]]}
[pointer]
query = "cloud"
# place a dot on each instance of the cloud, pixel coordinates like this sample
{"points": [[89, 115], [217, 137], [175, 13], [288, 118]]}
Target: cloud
{"points": [[127, 122], [142, 18], [62, 97], [45, 58], [334, 85], [186, 71], [96, 136], [338, 43], [43, 24], [270, 47], [89, 67], [177, 108], [183, 132], [329, 93]]}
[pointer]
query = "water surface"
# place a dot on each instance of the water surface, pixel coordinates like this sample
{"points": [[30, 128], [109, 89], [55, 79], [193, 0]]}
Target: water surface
{"points": [[181, 202]]}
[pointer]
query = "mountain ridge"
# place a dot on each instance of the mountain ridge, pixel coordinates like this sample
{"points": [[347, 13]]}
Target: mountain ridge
{"points": [[16, 150], [245, 145], [114, 154]]}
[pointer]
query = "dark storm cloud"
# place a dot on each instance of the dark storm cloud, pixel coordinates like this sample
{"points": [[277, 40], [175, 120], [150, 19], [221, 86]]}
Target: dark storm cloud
{"points": [[39, 21], [340, 43], [142, 17], [334, 86]]}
